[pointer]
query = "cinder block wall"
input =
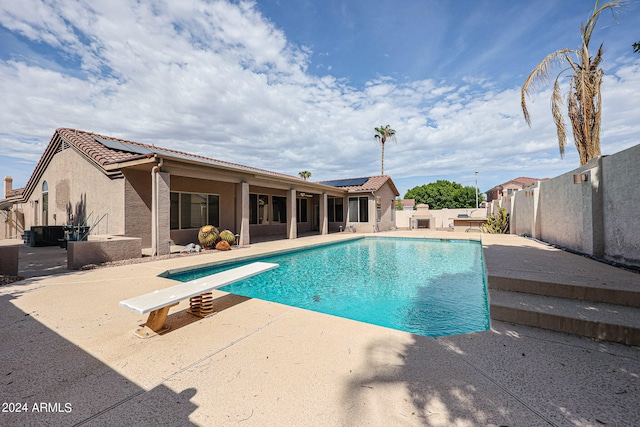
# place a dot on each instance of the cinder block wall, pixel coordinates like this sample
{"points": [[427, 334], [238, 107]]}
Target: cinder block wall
{"points": [[621, 206], [598, 215]]}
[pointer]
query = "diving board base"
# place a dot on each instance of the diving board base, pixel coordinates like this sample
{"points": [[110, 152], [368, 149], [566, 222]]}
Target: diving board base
{"points": [[155, 323]]}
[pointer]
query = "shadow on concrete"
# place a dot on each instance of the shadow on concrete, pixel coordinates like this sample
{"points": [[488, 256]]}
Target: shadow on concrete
{"points": [[183, 318], [50, 381]]}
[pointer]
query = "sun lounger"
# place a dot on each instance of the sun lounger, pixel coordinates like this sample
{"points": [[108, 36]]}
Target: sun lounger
{"points": [[158, 303]]}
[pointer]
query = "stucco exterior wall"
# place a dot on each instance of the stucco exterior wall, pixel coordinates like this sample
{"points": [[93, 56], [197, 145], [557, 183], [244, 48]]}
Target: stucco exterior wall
{"points": [[388, 207], [83, 192], [523, 216], [102, 249], [560, 212], [621, 206], [441, 217], [592, 209]]}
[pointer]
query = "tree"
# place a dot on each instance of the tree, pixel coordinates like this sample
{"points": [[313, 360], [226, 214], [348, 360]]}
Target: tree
{"points": [[444, 194], [304, 175], [584, 100], [382, 134]]}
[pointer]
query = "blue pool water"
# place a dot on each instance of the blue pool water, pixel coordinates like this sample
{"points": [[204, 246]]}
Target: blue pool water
{"points": [[423, 286]]}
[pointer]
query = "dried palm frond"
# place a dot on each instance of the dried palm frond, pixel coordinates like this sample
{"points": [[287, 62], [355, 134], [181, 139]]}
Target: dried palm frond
{"points": [[584, 101]]}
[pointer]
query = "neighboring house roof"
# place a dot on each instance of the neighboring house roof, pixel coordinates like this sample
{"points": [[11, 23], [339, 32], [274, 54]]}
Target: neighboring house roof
{"points": [[408, 202], [362, 184], [521, 182], [14, 193]]}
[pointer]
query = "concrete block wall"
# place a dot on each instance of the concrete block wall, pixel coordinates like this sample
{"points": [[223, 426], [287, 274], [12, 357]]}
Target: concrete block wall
{"points": [[593, 209], [101, 249], [9, 256], [621, 206]]}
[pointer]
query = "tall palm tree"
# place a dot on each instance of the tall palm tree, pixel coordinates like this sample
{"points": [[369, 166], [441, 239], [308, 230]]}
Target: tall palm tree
{"points": [[382, 134], [305, 175], [584, 100]]}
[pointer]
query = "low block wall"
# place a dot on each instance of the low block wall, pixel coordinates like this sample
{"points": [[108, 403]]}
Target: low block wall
{"points": [[102, 249], [9, 256], [593, 209]]}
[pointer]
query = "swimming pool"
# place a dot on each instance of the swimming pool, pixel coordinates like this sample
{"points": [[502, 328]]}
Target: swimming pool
{"points": [[424, 286]]}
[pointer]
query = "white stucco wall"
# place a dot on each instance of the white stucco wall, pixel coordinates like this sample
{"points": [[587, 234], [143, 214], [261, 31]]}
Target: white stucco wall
{"points": [[599, 215], [441, 217], [621, 206]]}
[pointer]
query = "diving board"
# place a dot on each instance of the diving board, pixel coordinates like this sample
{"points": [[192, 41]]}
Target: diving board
{"points": [[158, 303]]}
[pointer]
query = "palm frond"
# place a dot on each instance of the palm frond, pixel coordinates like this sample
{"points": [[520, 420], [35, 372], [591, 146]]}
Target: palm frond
{"points": [[588, 28], [540, 74], [558, 119]]}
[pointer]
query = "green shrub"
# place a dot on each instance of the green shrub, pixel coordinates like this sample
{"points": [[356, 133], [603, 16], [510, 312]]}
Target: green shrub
{"points": [[497, 223]]}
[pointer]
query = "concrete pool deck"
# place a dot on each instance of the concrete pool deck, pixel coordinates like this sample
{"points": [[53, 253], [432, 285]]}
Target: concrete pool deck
{"points": [[69, 357]]}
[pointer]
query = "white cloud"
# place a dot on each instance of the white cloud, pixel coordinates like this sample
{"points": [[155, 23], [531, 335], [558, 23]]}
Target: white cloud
{"points": [[218, 79]]}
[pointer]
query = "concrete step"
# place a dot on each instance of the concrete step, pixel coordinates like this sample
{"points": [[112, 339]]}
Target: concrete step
{"points": [[607, 322], [612, 292]]}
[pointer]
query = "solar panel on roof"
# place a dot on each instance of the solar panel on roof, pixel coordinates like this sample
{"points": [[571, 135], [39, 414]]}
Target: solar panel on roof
{"points": [[121, 146], [136, 149], [350, 182]]}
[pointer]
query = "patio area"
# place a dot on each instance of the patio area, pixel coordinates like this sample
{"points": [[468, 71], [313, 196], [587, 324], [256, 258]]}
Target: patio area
{"points": [[69, 357]]}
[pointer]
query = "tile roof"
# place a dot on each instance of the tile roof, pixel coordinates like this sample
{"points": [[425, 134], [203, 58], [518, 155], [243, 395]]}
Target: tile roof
{"points": [[522, 180], [373, 183], [104, 156]]}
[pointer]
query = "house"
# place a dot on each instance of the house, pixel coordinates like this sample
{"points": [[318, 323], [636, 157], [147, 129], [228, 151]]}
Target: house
{"points": [[121, 187], [506, 188]]}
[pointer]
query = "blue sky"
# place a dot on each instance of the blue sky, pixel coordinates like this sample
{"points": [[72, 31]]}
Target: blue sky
{"points": [[300, 85]]}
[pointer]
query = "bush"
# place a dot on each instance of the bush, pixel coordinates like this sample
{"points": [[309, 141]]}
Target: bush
{"points": [[497, 223]]}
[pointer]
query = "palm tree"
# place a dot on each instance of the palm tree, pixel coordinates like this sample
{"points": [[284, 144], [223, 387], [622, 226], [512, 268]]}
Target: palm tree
{"points": [[382, 133], [305, 175], [584, 100]]}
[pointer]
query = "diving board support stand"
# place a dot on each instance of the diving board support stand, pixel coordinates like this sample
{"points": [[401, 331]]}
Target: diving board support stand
{"points": [[158, 303], [155, 323]]}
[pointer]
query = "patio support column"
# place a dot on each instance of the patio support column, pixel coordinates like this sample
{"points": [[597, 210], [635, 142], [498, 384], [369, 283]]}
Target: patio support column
{"points": [[242, 213], [292, 222], [160, 212], [324, 218]]}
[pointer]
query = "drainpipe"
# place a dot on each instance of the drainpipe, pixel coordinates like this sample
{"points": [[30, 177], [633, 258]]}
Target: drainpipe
{"points": [[154, 207], [375, 212]]}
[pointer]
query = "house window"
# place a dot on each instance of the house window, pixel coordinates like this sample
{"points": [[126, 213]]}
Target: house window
{"points": [[358, 209], [45, 203], [258, 209], [279, 210], [301, 208], [336, 209], [191, 210], [378, 208]]}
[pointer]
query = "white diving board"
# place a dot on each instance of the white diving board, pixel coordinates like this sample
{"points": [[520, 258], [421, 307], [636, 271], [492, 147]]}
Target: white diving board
{"points": [[157, 303]]}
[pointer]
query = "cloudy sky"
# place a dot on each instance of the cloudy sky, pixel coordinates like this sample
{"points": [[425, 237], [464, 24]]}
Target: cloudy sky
{"points": [[292, 85]]}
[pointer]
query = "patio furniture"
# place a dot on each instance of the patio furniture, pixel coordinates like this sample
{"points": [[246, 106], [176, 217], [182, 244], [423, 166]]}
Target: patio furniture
{"points": [[158, 303]]}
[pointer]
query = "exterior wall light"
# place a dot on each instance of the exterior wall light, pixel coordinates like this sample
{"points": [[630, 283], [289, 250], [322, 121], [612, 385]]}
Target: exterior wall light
{"points": [[579, 178]]}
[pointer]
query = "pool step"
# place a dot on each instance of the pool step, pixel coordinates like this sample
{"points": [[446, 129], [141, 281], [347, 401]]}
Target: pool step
{"points": [[603, 321], [614, 292]]}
